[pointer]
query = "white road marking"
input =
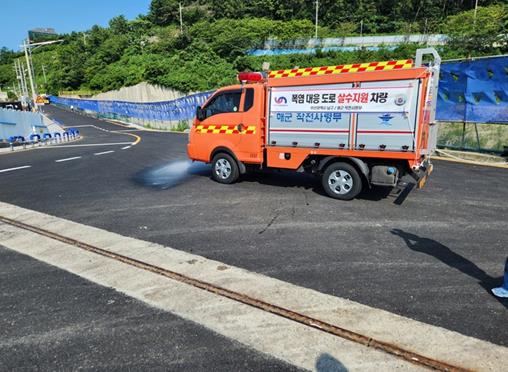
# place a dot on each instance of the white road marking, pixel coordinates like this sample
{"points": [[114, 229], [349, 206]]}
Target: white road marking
{"points": [[68, 159], [126, 147], [268, 333], [104, 152], [13, 169], [93, 144], [79, 126]]}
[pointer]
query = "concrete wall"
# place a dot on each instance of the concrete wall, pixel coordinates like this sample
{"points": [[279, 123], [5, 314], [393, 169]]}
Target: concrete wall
{"points": [[142, 92], [24, 123]]}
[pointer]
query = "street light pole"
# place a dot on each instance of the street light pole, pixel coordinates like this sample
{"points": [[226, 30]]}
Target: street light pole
{"points": [[29, 67], [27, 46]]}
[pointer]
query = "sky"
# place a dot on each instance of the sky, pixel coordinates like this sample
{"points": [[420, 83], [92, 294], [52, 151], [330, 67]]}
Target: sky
{"points": [[17, 16]]}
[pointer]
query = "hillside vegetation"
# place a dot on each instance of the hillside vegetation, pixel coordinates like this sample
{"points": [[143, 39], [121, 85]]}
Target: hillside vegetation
{"points": [[216, 36]]}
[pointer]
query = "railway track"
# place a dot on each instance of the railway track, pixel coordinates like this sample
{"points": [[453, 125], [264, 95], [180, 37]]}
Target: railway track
{"points": [[394, 350]]}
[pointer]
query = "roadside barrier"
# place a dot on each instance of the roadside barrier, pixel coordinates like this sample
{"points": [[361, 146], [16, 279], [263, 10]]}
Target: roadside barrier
{"points": [[179, 109], [13, 140], [46, 139], [35, 138]]}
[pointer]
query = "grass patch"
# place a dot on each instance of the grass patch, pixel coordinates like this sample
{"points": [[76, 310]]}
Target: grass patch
{"points": [[492, 137]]}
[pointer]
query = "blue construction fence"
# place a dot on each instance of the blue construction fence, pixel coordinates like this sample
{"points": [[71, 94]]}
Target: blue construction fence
{"points": [[474, 91], [180, 109]]}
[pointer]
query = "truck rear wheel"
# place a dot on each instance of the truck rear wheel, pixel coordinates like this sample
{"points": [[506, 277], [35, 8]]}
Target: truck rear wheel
{"points": [[341, 181], [224, 168]]}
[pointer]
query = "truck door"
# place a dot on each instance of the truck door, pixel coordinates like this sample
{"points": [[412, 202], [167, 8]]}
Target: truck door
{"points": [[231, 121]]}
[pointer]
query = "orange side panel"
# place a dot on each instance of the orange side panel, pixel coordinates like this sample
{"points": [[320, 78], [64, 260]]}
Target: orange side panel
{"points": [[277, 157]]}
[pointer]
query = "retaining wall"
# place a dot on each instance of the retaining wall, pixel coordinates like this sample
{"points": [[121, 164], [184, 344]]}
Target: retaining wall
{"points": [[20, 123]]}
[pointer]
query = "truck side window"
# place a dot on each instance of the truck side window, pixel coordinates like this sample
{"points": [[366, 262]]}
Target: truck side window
{"points": [[249, 99], [224, 102]]}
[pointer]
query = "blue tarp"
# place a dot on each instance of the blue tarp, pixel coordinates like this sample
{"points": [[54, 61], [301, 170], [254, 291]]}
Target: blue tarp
{"points": [[179, 109], [474, 91]]}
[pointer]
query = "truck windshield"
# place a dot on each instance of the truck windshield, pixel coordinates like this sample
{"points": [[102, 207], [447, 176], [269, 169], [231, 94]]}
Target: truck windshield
{"points": [[224, 102]]}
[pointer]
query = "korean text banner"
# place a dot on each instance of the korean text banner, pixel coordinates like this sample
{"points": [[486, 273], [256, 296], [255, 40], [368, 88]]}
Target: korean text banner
{"points": [[474, 91], [341, 98]]}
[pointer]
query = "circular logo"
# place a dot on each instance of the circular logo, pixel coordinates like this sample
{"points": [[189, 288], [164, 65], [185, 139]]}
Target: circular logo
{"points": [[400, 99]]}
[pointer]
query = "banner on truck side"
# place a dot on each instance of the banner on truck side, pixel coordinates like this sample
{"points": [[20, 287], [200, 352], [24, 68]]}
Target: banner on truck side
{"points": [[382, 99]]}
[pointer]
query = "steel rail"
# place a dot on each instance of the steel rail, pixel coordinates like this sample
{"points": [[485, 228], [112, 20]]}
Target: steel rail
{"points": [[397, 351]]}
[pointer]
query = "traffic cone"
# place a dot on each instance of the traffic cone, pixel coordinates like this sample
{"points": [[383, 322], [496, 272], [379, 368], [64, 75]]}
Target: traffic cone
{"points": [[503, 291]]}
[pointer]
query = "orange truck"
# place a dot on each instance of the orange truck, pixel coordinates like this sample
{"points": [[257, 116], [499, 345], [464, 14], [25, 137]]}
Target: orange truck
{"points": [[352, 125]]}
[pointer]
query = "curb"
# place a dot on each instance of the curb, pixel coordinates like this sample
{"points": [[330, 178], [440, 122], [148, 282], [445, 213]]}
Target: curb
{"points": [[139, 127], [471, 162]]}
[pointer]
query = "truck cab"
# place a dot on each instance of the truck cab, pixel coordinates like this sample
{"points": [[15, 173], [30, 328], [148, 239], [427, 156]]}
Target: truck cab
{"points": [[230, 121]]}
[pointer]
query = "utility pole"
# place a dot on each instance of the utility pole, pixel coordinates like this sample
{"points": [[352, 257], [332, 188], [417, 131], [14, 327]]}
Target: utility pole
{"points": [[181, 20], [18, 77], [16, 92], [21, 77], [44, 74], [317, 9], [361, 27], [475, 11]]}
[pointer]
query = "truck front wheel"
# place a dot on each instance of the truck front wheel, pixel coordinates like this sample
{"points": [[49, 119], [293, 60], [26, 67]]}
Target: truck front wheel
{"points": [[224, 168], [341, 181]]}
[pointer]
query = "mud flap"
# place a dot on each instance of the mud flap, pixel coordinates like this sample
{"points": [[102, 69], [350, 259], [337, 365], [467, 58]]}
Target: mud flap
{"points": [[423, 178]]}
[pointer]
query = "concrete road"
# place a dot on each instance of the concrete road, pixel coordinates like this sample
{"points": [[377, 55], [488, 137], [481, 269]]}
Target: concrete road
{"points": [[433, 258]]}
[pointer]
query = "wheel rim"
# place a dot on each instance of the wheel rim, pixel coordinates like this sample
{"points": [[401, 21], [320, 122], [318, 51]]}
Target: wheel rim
{"points": [[222, 168], [340, 182]]}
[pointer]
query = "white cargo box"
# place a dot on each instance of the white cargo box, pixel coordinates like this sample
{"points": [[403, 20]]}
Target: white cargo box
{"points": [[369, 116]]}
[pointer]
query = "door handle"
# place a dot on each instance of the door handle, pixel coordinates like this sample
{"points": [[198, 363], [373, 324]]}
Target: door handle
{"points": [[240, 127]]}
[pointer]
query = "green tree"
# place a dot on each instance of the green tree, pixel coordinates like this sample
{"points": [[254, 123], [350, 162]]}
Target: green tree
{"points": [[487, 34], [119, 25], [163, 12]]}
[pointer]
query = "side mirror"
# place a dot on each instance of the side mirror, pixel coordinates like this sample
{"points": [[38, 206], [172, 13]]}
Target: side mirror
{"points": [[200, 113]]}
